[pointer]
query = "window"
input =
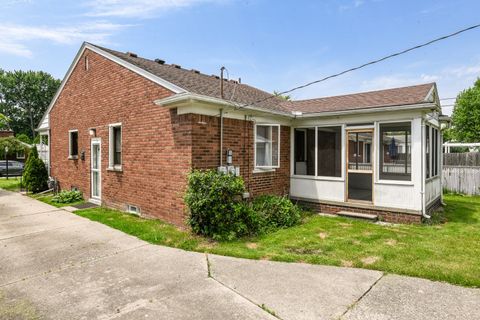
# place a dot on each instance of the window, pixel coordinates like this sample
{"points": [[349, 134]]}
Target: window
{"points": [[20, 154], [304, 151], [73, 144], [115, 146], [395, 155], [427, 150], [325, 150], [435, 155], [329, 152], [267, 146]]}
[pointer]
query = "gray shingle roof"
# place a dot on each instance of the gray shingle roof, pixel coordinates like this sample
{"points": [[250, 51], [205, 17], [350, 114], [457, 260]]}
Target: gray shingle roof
{"points": [[243, 94]]}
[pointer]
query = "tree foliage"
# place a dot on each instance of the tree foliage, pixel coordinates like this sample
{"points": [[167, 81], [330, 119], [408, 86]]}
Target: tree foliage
{"points": [[4, 122], [466, 115], [24, 98]]}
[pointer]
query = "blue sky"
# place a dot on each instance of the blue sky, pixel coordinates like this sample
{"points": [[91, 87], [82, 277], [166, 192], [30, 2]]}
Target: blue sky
{"points": [[274, 45]]}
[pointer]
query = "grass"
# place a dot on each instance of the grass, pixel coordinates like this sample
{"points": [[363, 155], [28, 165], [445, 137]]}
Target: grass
{"points": [[12, 184], [445, 252], [47, 198]]}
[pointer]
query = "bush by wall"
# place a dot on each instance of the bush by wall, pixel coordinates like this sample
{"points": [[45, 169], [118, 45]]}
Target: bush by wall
{"points": [[35, 173], [68, 196], [276, 212], [216, 208]]}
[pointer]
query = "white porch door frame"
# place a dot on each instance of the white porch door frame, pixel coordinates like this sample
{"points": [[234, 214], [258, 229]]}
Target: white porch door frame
{"points": [[96, 170]]}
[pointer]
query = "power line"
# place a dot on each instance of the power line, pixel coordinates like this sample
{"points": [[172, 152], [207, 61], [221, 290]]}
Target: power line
{"points": [[369, 63]]}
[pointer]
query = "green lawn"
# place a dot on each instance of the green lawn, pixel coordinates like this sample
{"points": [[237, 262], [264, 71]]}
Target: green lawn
{"points": [[12, 184], [447, 252], [47, 198]]}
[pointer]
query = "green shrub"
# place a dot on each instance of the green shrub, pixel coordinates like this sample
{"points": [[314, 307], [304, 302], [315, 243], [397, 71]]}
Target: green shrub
{"points": [[215, 206], [35, 173], [275, 212], [68, 196]]}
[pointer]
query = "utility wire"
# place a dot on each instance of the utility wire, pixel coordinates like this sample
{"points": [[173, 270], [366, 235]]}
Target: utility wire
{"points": [[368, 64]]}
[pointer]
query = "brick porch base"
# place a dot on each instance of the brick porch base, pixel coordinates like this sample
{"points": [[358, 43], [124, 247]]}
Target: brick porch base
{"points": [[382, 213]]}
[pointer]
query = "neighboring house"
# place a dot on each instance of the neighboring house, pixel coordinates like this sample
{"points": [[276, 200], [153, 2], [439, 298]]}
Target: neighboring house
{"points": [[19, 155], [126, 131]]}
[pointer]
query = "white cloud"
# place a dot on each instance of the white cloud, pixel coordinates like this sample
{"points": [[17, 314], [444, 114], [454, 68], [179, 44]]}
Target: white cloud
{"points": [[136, 9], [352, 5], [14, 39]]}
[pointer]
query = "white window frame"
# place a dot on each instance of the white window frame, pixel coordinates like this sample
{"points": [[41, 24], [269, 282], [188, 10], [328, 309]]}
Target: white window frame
{"points": [[342, 127], [70, 156], [255, 146], [111, 144], [20, 157], [379, 154]]}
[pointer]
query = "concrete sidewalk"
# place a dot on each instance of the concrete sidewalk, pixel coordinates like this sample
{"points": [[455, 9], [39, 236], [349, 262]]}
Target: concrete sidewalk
{"points": [[56, 265]]}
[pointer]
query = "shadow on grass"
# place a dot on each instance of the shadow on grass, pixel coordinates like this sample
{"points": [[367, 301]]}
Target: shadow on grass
{"points": [[464, 209]]}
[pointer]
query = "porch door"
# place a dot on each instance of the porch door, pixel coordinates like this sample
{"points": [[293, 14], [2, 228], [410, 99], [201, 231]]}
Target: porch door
{"points": [[359, 165], [96, 188]]}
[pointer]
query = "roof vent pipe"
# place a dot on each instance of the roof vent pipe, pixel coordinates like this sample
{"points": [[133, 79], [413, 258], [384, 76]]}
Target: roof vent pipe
{"points": [[222, 69], [160, 61], [131, 54]]}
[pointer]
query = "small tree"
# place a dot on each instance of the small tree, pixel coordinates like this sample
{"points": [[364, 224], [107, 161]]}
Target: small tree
{"points": [[35, 173], [24, 138], [13, 145], [466, 115]]}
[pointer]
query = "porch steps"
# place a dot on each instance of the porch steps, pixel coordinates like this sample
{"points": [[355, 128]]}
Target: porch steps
{"points": [[358, 215]]}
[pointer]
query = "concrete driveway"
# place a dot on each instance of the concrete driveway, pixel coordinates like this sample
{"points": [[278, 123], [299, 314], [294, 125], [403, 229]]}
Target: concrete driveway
{"points": [[56, 265]]}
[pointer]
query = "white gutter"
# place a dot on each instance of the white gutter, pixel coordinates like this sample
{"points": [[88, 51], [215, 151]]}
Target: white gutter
{"points": [[172, 101], [421, 106]]}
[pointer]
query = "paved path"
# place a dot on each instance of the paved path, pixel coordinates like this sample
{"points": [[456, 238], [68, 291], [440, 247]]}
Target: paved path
{"points": [[56, 265]]}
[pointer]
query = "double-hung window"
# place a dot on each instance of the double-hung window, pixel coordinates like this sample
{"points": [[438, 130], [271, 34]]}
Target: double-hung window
{"points": [[73, 144], [267, 146], [395, 151], [115, 146]]}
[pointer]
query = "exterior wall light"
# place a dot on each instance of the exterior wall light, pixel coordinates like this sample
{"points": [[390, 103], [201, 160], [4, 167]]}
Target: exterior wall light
{"points": [[92, 132]]}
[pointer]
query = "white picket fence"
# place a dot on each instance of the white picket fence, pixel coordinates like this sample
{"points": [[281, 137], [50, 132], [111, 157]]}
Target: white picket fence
{"points": [[461, 179]]}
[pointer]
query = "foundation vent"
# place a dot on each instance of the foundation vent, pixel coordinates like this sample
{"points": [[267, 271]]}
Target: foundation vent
{"points": [[133, 209]]}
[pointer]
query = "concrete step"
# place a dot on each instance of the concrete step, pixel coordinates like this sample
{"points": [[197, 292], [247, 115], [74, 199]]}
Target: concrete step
{"points": [[358, 215]]}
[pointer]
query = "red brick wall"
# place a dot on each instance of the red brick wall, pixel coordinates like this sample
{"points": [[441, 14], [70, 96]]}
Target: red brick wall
{"points": [[238, 136], [156, 142]]}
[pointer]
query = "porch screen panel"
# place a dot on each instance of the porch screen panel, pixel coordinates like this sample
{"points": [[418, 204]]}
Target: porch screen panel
{"points": [[329, 152], [395, 151], [304, 150]]}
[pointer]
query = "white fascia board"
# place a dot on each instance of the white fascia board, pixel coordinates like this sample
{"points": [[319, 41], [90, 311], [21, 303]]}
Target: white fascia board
{"points": [[168, 85], [421, 106], [182, 98]]}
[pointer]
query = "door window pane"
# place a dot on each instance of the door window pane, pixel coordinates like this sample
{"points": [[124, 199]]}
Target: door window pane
{"points": [[395, 147], [329, 152], [360, 151]]}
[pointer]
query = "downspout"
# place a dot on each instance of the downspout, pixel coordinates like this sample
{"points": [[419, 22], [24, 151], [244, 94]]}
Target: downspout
{"points": [[424, 213], [221, 137]]}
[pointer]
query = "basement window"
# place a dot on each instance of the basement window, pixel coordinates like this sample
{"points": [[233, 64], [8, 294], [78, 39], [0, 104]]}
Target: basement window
{"points": [[133, 209], [73, 144], [115, 146], [267, 146]]}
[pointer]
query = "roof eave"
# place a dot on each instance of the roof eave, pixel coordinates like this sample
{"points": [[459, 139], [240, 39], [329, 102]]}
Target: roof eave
{"points": [[183, 98], [417, 106]]}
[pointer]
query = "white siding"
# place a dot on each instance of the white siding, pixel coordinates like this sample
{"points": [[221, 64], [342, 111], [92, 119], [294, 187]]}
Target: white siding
{"points": [[433, 189], [317, 189]]}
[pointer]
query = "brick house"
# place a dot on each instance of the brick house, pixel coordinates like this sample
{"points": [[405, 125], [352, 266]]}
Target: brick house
{"points": [[127, 130]]}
